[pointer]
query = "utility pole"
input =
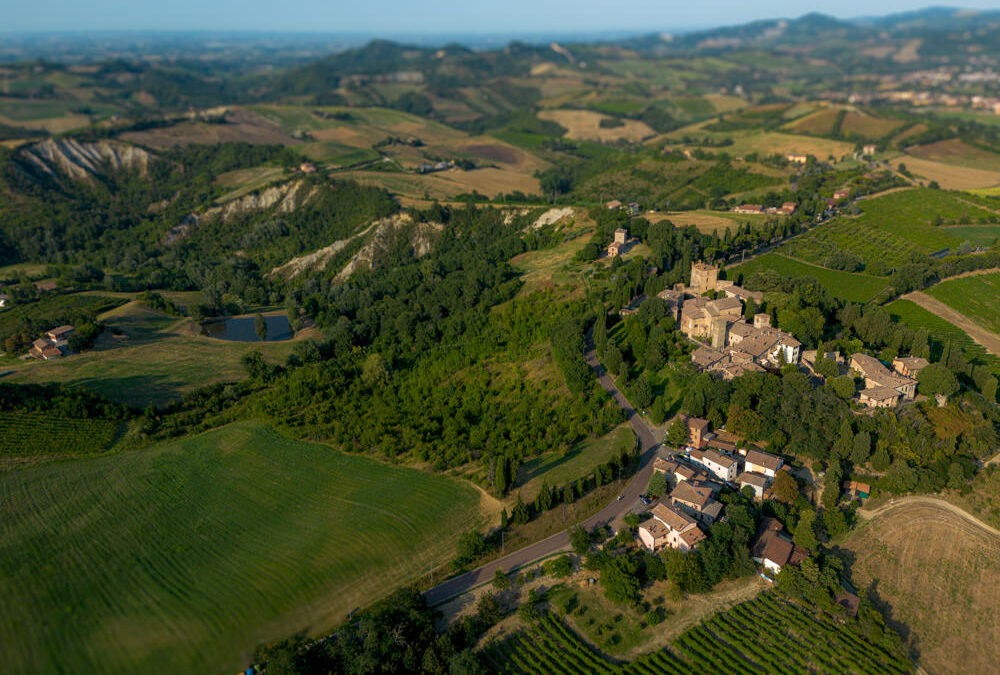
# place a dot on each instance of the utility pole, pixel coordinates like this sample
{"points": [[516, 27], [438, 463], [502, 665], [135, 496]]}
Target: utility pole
{"points": [[502, 537]]}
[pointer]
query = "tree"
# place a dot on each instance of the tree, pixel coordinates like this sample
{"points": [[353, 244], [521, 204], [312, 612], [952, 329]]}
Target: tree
{"points": [[260, 327], [657, 484], [620, 580], [374, 372], [881, 459], [937, 379], [861, 448], [843, 386], [642, 392], [579, 538], [805, 533], [834, 522], [500, 580], [831, 484], [785, 488], [677, 434]]}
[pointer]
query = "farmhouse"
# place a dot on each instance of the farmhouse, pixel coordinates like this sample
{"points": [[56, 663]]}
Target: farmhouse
{"points": [[869, 149], [670, 527], [773, 549], [615, 249], [841, 194], [877, 377], [4, 299], [909, 366], [52, 344], [59, 335], [696, 501], [723, 466], [856, 490], [797, 159], [749, 209], [613, 205]]}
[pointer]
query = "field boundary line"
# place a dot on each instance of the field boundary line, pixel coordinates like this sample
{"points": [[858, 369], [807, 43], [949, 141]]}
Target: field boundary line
{"points": [[933, 501]]}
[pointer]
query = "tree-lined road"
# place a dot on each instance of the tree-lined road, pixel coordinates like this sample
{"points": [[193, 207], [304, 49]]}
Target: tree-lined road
{"points": [[610, 514]]}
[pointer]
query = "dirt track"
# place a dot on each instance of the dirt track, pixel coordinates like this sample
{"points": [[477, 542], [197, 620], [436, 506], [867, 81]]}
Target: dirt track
{"points": [[988, 339], [932, 501]]}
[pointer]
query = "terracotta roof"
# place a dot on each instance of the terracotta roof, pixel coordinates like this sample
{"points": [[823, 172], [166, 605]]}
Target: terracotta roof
{"points": [[692, 536], [697, 423], [672, 518], [772, 546], [41, 343], [751, 478], [866, 363], [879, 393], [703, 357], [916, 362], [685, 492], [764, 459], [655, 528], [51, 352]]}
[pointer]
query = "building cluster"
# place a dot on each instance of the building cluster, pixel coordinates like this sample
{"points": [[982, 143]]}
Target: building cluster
{"points": [[786, 209], [632, 208], [730, 345], [694, 476], [620, 244], [885, 388], [53, 344]]}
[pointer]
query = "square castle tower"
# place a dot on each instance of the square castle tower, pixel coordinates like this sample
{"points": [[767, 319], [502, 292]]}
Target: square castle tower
{"points": [[704, 277]]}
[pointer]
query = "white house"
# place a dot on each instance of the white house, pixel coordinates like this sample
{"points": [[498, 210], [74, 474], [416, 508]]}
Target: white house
{"points": [[763, 463], [724, 467]]}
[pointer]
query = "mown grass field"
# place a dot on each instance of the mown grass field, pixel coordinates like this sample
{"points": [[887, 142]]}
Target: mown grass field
{"points": [[844, 285], [159, 359], [958, 152], [975, 296], [764, 635], [949, 176], [941, 331], [558, 470], [183, 557], [947, 596], [891, 228]]}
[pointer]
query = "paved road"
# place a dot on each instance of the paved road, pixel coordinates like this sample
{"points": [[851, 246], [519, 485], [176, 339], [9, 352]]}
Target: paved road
{"points": [[610, 514]]}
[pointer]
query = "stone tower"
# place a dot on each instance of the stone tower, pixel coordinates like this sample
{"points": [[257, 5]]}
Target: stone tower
{"points": [[704, 277], [720, 327]]}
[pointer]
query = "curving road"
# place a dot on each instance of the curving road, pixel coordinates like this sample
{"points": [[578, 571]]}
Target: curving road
{"points": [[608, 515]]}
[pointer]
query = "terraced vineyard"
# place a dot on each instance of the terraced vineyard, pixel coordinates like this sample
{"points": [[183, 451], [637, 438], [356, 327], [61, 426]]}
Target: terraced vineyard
{"points": [[183, 556], [25, 434], [941, 331], [893, 228], [977, 297], [765, 635], [844, 285]]}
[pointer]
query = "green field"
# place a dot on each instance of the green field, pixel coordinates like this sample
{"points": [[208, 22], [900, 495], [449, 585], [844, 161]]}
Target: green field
{"points": [[941, 331], [983, 235], [26, 434], [765, 635], [157, 361], [844, 285], [976, 296], [183, 557], [893, 228], [557, 470]]}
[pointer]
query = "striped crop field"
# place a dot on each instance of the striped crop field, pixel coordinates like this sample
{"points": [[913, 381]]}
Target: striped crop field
{"points": [[764, 635], [893, 228], [844, 285], [24, 434], [941, 331], [182, 558], [976, 296]]}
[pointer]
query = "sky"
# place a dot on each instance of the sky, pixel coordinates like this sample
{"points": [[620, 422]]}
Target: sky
{"points": [[416, 17]]}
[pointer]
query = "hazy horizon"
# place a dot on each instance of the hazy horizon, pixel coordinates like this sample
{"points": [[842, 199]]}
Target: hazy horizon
{"points": [[443, 18]]}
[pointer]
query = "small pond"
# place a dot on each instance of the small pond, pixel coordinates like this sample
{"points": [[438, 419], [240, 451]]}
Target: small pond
{"points": [[241, 329]]}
